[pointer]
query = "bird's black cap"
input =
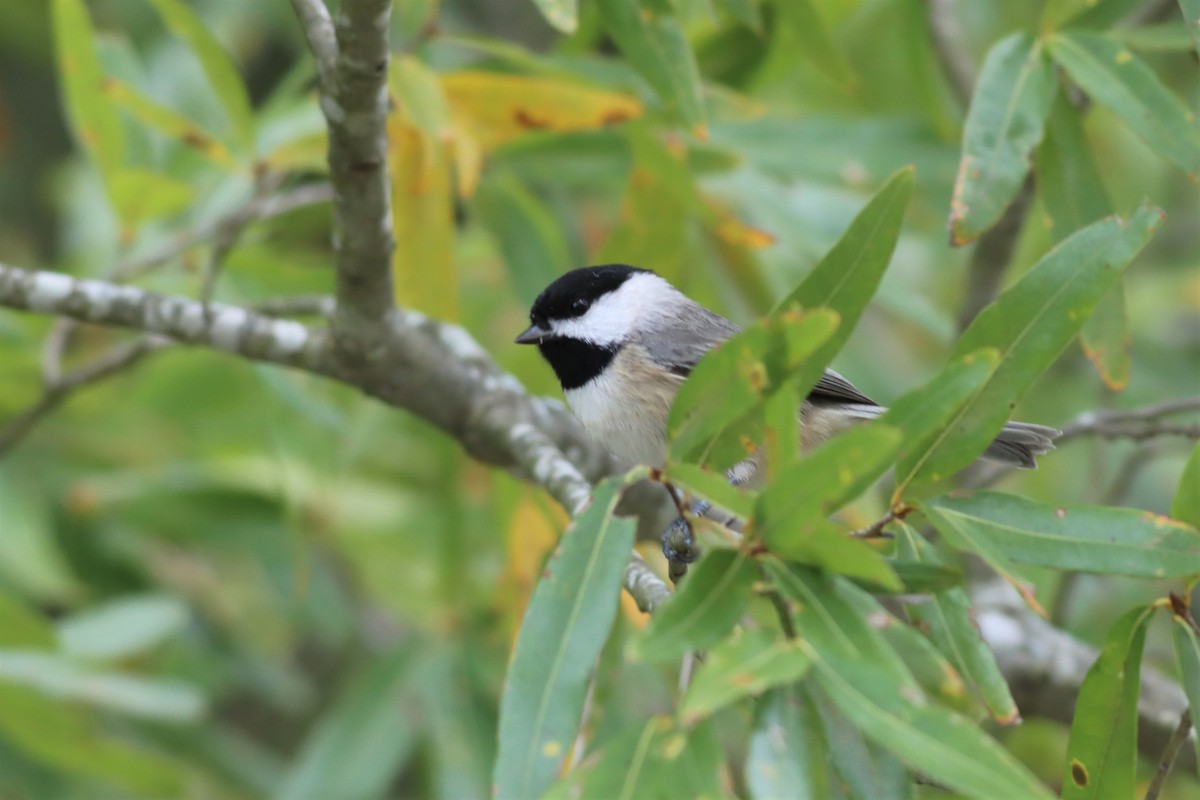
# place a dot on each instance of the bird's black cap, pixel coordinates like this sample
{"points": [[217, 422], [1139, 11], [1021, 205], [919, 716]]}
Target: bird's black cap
{"points": [[572, 294]]}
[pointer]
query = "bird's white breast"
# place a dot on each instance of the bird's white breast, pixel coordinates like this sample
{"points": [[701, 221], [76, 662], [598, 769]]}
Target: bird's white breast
{"points": [[625, 408]]}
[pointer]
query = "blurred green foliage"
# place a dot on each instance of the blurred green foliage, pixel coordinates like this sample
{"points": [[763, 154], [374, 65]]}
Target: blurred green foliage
{"points": [[220, 579]]}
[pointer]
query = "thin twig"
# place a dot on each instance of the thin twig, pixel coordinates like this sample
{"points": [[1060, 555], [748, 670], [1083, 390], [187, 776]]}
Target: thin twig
{"points": [[1121, 424], [1169, 755], [256, 210], [230, 231], [54, 395]]}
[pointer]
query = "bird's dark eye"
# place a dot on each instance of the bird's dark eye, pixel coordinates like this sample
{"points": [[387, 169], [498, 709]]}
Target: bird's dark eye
{"points": [[580, 305]]}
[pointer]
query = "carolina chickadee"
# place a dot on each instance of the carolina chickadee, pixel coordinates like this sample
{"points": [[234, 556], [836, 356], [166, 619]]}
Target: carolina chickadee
{"points": [[622, 340]]}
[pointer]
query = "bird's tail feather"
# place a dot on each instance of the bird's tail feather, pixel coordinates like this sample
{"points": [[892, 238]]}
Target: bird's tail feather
{"points": [[1017, 444]]}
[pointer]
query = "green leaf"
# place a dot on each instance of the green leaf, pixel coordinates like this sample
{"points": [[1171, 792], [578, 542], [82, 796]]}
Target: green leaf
{"points": [[1030, 324], [968, 538], [139, 195], [1069, 182], [861, 768], [922, 414], [1004, 124], [744, 11], [564, 628], [657, 760], [916, 578], [703, 609], [657, 47], [935, 674], [136, 695], [734, 378], [950, 748], [357, 745], [1105, 339], [1186, 506], [64, 737], [749, 662], [712, 487], [1112, 541], [826, 619], [1102, 750], [794, 524], [21, 626], [563, 15], [1103, 14], [168, 122], [531, 240], [787, 752], [93, 118], [218, 67], [847, 276], [947, 617], [122, 628], [1187, 656], [1073, 195], [803, 20], [1191, 14], [1116, 78]]}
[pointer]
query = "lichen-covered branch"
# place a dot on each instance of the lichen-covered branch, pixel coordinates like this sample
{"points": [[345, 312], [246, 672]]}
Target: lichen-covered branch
{"points": [[434, 370], [1045, 667], [318, 32], [354, 102]]}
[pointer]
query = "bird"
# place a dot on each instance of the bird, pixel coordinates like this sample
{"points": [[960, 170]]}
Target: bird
{"points": [[622, 340]]}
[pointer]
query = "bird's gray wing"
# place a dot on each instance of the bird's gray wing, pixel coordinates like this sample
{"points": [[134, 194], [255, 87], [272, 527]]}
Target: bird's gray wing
{"points": [[678, 341]]}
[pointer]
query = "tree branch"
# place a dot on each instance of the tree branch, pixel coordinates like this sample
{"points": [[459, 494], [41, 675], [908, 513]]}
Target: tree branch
{"points": [[1045, 667], [354, 102], [434, 370]]}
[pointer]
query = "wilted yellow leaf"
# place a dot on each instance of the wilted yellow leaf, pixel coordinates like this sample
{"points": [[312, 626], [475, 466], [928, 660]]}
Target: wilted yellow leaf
{"points": [[532, 534], [423, 219], [497, 107]]}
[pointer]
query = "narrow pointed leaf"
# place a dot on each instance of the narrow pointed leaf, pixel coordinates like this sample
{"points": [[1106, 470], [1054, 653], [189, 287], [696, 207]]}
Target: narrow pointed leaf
{"points": [[356, 745], [1119, 80], [92, 117], [1005, 123], [657, 47], [707, 604], [947, 617], [859, 765], [564, 628], [222, 75], [794, 524], [847, 276], [1102, 750], [1112, 541], [1186, 506], [1030, 324], [935, 674], [739, 666], [950, 748], [830, 623], [922, 414], [787, 753], [168, 122], [1187, 656], [734, 378], [804, 21]]}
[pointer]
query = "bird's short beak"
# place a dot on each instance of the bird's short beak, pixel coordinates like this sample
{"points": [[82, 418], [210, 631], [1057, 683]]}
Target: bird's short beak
{"points": [[535, 334]]}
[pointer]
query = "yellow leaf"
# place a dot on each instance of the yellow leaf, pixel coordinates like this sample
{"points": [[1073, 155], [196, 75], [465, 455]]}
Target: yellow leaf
{"points": [[423, 218], [532, 533], [498, 107]]}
